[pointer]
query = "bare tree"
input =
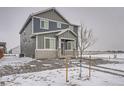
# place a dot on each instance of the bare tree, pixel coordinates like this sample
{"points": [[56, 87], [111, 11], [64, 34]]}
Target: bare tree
{"points": [[85, 41]]}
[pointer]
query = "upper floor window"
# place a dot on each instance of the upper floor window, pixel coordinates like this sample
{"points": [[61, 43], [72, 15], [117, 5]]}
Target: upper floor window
{"points": [[44, 24], [58, 25]]}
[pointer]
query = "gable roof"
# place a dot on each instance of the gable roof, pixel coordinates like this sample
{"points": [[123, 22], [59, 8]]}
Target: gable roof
{"points": [[59, 32], [40, 12], [66, 31], [51, 9]]}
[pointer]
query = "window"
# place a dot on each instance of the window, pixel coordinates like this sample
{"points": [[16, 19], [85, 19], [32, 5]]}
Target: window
{"points": [[58, 25], [47, 41], [50, 43], [70, 45], [44, 24]]}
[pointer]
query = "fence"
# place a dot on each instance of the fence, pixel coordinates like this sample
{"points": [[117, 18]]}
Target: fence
{"points": [[74, 68]]}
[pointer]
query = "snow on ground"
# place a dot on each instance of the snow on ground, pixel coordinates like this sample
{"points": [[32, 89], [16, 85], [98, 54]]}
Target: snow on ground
{"points": [[114, 66], [57, 78], [121, 55], [110, 57], [14, 60]]}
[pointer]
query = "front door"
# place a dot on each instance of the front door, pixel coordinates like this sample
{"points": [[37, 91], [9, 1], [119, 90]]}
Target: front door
{"points": [[62, 48]]}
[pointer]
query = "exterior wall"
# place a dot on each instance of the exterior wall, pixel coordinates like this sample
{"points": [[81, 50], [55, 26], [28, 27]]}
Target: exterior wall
{"points": [[52, 26], [41, 39], [67, 34], [52, 14], [41, 54], [40, 44], [46, 54], [52, 53], [73, 53], [75, 29], [27, 44]]}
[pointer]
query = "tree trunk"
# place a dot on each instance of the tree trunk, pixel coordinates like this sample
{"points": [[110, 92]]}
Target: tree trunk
{"points": [[81, 57], [90, 67]]}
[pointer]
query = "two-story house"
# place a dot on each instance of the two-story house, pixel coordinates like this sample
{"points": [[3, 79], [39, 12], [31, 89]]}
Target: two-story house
{"points": [[48, 34]]}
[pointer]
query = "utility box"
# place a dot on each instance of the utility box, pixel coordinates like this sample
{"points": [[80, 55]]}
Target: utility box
{"points": [[1, 53], [21, 55]]}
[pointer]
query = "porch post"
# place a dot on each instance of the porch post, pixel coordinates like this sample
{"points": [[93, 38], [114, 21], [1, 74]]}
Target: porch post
{"points": [[59, 47]]}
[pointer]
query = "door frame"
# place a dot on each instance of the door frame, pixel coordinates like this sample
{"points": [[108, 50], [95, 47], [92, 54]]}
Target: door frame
{"points": [[62, 48]]}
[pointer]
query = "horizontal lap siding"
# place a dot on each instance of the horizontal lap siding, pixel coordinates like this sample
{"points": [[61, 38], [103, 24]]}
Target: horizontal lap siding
{"points": [[41, 39], [41, 42], [28, 44], [52, 26], [68, 34], [52, 14]]}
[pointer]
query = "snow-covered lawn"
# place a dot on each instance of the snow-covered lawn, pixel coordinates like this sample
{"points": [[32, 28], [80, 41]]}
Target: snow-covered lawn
{"points": [[114, 66], [57, 78], [14, 60], [119, 55], [110, 57]]}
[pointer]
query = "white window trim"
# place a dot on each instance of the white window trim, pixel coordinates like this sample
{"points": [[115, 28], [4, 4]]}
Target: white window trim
{"points": [[67, 38], [45, 43], [41, 18], [71, 45], [44, 21], [59, 25]]}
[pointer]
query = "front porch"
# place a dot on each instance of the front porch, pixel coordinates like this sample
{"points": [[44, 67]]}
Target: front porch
{"points": [[67, 47], [56, 45]]}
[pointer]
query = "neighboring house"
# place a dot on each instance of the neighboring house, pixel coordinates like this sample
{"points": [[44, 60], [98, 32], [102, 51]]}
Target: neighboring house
{"points": [[48, 34], [15, 50], [3, 46]]}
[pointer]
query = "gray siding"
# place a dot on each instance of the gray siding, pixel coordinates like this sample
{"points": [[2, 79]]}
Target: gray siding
{"points": [[52, 14], [68, 34], [41, 42], [27, 44], [64, 35], [52, 26], [75, 29], [41, 39]]}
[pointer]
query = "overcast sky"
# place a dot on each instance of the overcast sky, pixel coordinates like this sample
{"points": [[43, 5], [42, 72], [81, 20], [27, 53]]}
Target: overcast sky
{"points": [[107, 24]]}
